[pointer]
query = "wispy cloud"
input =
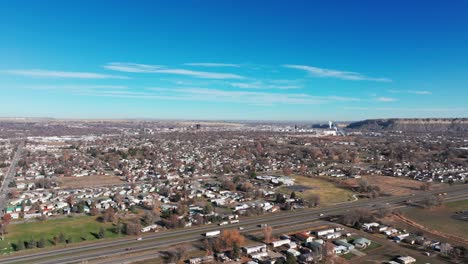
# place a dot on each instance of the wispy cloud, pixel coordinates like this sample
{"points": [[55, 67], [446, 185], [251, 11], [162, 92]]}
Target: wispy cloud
{"points": [[63, 74], [252, 97], [217, 95], [420, 92], [212, 64], [261, 85], [65, 87], [386, 99], [327, 73], [143, 68], [132, 67]]}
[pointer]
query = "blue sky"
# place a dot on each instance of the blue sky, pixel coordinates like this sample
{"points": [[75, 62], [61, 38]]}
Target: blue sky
{"points": [[257, 60]]}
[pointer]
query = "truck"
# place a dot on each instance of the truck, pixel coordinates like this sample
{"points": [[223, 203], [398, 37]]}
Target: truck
{"points": [[213, 233]]}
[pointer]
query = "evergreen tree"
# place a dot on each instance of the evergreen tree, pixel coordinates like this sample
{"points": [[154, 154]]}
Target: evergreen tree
{"points": [[41, 243], [293, 195], [101, 233], [31, 243], [20, 245], [61, 238], [235, 250], [290, 259]]}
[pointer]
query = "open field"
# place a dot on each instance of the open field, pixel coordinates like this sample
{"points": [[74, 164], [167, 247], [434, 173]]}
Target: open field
{"points": [[89, 181], [329, 193], [81, 228], [395, 186], [389, 252], [440, 218], [383, 250]]}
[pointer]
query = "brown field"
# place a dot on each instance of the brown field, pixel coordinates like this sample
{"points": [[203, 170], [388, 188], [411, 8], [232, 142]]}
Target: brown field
{"points": [[441, 220], [393, 185], [329, 193], [89, 181]]}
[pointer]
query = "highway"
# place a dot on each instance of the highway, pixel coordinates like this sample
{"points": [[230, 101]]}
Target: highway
{"points": [[79, 253], [9, 177]]}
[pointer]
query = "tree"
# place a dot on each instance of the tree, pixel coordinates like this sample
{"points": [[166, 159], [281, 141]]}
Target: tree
{"points": [[133, 209], [315, 200], [19, 245], [426, 186], [431, 201], [293, 195], [208, 246], [7, 218], [280, 198], [229, 237], [94, 211], [280, 261], [118, 227], [235, 250], [290, 258], [446, 249], [3, 228], [101, 233], [383, 211], [108, 215], [328, 251], [177, 255], [71, 200], [246, 186], [208, 209], [357, 216], [287, 171], [61, 237], [4, 224], [364, 185], [41, 243], [133, 228], [267, 234], [55, 240], [31, 243], [149, 218]]}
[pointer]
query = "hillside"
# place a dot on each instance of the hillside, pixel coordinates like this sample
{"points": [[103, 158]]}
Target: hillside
{"points": [[413, 125]]}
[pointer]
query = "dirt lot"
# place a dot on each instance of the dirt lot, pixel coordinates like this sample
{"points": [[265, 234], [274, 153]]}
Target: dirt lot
{"points": [[89, 181], [393, 185]]}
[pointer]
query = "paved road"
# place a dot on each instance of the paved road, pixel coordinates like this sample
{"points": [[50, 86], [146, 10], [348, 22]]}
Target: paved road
{"points": [[9, 177], [173, 237]]}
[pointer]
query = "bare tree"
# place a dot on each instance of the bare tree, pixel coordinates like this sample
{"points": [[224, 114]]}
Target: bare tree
{"points": [[267, 234]]}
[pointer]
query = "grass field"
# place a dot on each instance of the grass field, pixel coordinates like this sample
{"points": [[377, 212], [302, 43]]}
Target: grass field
{"points": [[372, 246], [441, 218], [329, 193], [81, 228]]}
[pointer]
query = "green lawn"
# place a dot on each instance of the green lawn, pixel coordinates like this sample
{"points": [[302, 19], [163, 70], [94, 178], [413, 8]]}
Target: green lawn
{"points": [[81, 228], [458, 205], [348, 256], [440, 218], [372, 246], [329, 193]]}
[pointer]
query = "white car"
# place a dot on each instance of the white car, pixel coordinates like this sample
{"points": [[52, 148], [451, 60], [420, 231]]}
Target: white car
{"points": [[140, 238], [241, 228]]}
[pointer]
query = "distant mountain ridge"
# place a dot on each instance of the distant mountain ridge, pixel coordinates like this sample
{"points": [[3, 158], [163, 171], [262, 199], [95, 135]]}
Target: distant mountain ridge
{"points": [[413, 124]]}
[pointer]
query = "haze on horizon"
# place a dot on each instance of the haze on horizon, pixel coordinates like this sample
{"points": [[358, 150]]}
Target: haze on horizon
{"points": [[233, 60]]}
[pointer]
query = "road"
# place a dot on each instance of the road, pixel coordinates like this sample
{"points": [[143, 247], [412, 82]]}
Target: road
{"points": [[79, 253], [9, 177]]}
